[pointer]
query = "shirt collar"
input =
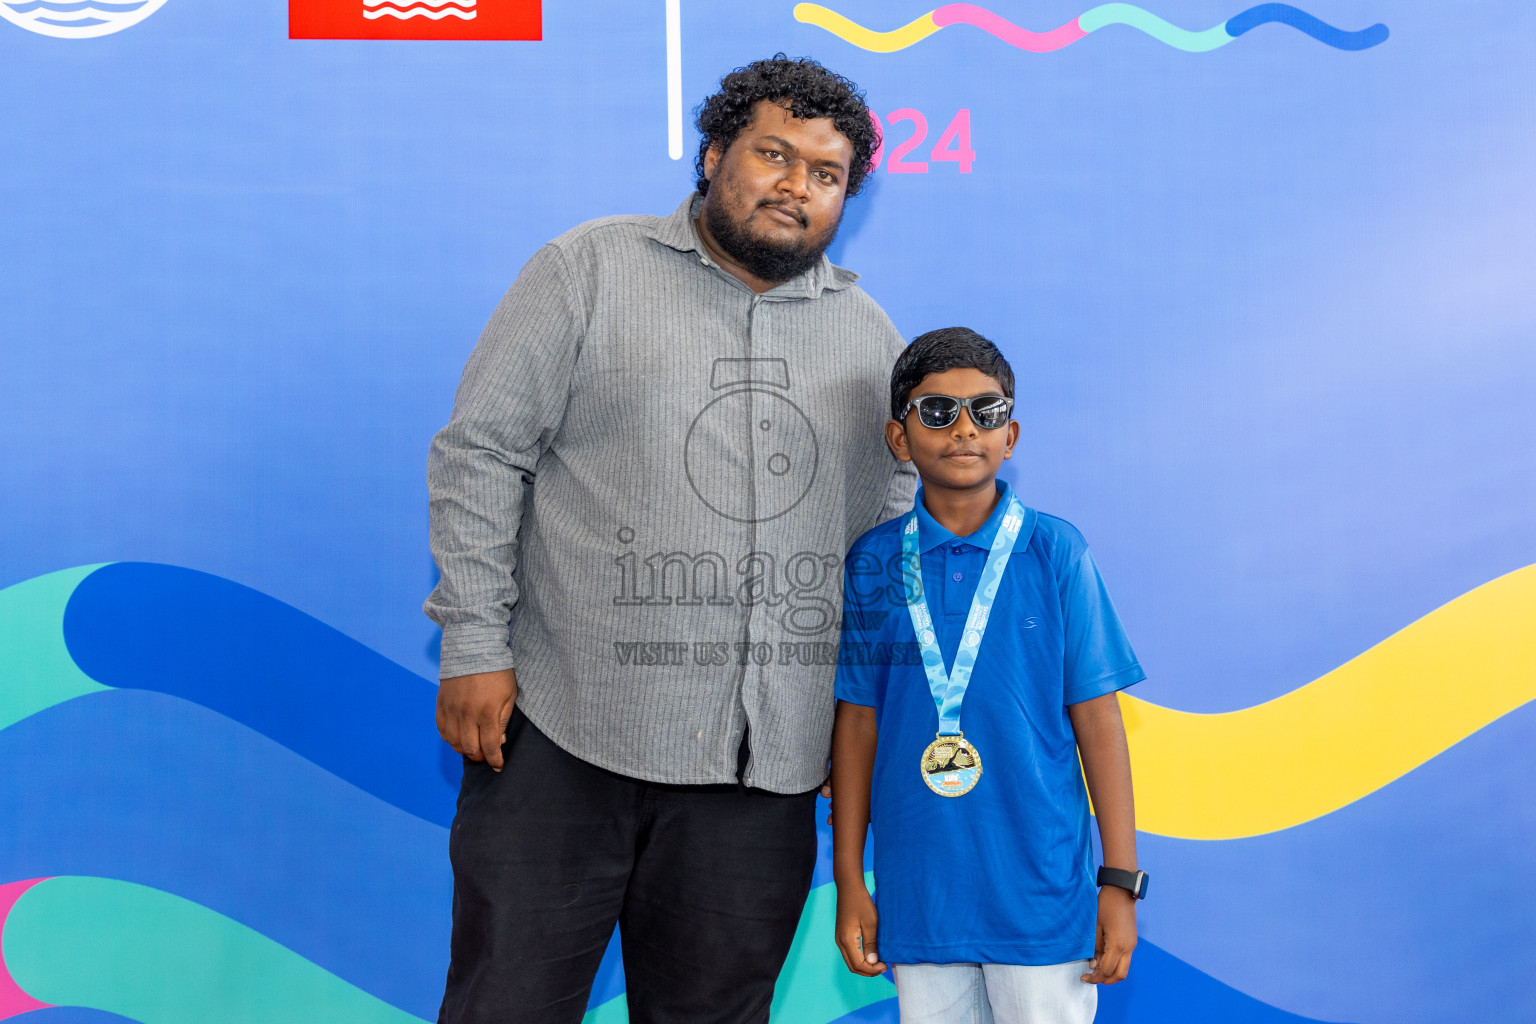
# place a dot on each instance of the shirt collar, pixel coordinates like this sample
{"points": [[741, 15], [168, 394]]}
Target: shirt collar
{"points": [[930, 534], [678, 232]]}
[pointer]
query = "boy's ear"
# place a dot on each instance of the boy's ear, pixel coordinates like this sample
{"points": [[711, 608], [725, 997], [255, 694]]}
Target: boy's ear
{"points": [[896, 437]]}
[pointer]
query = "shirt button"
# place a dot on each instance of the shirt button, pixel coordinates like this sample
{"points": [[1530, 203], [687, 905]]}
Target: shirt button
{"points": [[959, 576], [699, 735], [956, 551]]}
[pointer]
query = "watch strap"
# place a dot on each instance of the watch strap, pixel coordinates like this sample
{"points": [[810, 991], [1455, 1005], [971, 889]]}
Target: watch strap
{"points": [[1133, 882]]}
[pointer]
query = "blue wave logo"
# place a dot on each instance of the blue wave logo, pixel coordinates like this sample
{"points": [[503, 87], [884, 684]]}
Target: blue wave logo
{"points": [[77, 19]]}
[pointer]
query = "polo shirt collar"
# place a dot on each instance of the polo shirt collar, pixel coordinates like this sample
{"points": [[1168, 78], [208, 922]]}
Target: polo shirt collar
{"points": [[930, 534], [678, 232]]}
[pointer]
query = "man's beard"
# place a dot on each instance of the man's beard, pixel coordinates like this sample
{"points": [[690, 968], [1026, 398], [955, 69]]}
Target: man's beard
{"points": [[768, 261]]}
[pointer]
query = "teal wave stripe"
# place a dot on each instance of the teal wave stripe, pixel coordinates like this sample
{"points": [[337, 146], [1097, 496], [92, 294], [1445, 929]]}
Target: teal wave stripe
{"points": [[614, 1011], [159, 959], [36, 670], [1163, 31], [815, 985]]}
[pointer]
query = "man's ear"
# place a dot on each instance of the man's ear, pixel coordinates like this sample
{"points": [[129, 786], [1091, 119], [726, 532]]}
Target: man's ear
{"points": [[711, 161], [896, 437]]}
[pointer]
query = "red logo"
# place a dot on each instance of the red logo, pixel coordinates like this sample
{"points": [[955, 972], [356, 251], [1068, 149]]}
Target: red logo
{"points": [[415, 19]]}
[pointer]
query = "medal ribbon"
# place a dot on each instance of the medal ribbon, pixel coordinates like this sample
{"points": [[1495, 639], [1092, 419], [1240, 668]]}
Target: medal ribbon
{"points": [[948, 688]]}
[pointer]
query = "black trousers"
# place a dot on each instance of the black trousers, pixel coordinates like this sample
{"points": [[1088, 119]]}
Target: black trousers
{"points": [[706, 884]]}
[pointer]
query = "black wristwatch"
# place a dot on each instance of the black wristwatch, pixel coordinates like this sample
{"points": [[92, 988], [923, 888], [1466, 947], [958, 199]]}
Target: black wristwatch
{"points": [[1133, 882]]}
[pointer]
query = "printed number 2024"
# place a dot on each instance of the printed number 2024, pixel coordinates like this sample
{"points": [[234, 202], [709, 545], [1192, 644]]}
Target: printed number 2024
{"points": [[954, 145]]}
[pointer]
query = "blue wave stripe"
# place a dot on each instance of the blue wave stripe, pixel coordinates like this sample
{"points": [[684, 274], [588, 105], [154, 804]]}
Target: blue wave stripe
{"points": [[1162, 989], [883, 1012], [1300, 20], [77, 5], [72, 22], [1449, 814], [152, 789], [271, 667], [71, 1015]]}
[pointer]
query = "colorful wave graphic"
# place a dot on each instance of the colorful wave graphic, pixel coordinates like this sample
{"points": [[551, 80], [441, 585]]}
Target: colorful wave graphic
{"points": [[227, 801], [119, 947], [175, 797], [1243, 773], [1344, 735], [1102, 16], [142, 626]]}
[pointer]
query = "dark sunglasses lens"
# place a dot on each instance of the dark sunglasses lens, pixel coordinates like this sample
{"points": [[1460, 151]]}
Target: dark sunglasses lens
{"points": [[990, 413], [937, 411]]}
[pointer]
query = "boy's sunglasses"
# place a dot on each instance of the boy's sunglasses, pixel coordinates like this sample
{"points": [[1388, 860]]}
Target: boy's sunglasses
{"points": [[938, 411]]}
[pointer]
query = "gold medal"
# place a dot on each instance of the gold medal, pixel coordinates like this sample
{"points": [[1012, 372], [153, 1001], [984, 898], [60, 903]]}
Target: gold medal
{"points": [[950, 765]]}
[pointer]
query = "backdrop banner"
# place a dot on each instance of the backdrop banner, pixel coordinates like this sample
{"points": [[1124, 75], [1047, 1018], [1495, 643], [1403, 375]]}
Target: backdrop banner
{"points": [[1267, 277]]}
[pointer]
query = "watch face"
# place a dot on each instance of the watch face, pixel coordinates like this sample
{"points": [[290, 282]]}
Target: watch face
{"points": [[1141, 885]]}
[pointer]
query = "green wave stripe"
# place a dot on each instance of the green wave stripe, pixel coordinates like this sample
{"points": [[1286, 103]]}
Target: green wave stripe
{"points": [[36, 671], [1164, 32], [814, 987], [160, 959]]}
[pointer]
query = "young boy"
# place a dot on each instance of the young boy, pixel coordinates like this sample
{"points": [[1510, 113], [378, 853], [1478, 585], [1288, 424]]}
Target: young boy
{"points": [[974, 611]]}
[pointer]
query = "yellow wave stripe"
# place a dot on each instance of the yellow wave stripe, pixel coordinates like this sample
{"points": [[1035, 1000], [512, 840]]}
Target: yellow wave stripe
{"points": [[1343, 736], [914, 31]]}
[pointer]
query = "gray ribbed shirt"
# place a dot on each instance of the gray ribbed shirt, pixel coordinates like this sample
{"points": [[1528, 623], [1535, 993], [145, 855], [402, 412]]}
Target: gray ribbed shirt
{"points": [[642, 501]]}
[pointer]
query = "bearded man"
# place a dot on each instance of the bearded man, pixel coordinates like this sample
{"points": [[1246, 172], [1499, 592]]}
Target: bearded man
{"points": [[666, 439]]}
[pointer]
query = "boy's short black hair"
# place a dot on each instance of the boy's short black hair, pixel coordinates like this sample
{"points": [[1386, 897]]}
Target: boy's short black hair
{"points": [[948, 348], [808, 89]]}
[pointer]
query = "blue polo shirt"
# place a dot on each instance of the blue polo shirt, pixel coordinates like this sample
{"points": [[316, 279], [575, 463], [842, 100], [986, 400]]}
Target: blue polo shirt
{"points": [[1003, 874]]}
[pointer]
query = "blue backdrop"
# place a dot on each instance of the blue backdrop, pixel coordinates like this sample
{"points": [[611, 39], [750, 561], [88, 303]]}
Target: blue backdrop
{"points": [[1266, 279]]}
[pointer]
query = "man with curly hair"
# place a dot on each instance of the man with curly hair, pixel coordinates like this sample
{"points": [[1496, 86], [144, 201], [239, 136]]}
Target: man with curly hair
{"points": [[667, 437]]}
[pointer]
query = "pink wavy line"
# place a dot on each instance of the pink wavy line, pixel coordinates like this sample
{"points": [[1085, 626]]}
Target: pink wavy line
{"points": [[13, 1000], [1007, 31]]}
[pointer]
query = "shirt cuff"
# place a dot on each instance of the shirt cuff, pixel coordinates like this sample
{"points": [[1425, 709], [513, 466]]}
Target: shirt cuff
{"points": [[470, 647], [1130, 675], [854, 695]]}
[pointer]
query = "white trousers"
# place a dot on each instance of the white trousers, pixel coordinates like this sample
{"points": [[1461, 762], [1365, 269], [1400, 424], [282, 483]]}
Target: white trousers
{"points": [[1001, 993]]}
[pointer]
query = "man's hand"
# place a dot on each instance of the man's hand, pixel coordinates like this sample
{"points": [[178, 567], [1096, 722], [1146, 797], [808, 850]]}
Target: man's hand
{"points": [[1116, 937], [472, 713], [857, 924]]}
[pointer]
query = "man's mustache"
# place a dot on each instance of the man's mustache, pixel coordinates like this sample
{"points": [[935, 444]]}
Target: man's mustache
{"points": [[787, 209]]}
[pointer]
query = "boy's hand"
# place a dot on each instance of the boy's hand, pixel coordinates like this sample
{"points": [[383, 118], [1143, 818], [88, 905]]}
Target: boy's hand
{"points": [[1116, 937], [857, 924]]}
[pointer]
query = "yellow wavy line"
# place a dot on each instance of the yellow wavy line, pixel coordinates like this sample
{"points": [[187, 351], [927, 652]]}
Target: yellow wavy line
{"points": [[914, 31], [1345, 735]]}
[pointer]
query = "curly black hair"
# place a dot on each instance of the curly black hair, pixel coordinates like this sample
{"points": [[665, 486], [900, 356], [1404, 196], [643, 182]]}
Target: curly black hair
{"points": [[811, 91]]}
